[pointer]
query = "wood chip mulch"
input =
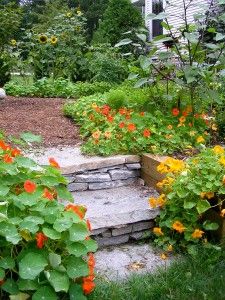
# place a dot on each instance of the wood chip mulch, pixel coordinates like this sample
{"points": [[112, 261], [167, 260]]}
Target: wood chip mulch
{"points": [[43, 116]]}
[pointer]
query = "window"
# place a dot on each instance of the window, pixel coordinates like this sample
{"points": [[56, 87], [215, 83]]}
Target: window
{"points": [[157, 7]]}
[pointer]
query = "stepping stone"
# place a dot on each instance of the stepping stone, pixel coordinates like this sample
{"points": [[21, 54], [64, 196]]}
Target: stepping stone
{"points": [[72, 160], [120, 262], [118, 206]]}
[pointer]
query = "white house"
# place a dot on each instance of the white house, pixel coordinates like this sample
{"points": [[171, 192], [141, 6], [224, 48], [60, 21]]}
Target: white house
{"points": [[175, 10]]}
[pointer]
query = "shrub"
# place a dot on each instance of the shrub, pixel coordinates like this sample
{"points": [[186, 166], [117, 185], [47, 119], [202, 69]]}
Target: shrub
{"points": [[45, 246], [116, 21], [4, 69], [190, 190], [116, 99], [56, 88]]}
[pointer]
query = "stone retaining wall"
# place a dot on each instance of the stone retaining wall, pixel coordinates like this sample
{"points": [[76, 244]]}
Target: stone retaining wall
{"points": [[122, 234], [104, 178]]}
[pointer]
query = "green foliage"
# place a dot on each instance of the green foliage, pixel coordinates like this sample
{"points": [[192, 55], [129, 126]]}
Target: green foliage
{"points": [[56, 88], [116, 99], [5, 66], [43, 246], [120, 16], [131, 130], [190, 190], [10, 20]]}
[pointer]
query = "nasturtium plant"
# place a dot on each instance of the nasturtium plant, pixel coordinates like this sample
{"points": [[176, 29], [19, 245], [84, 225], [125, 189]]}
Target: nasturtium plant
{"points": [[45, 248], [192, 193]]}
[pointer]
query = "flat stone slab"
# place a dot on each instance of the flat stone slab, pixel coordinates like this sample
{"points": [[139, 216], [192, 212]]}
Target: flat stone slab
{"points": [[120, 262], [72, 160], [117, 206]]}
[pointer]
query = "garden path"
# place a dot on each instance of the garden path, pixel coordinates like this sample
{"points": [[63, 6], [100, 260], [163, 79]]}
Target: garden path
{"points": [[43, 116]]}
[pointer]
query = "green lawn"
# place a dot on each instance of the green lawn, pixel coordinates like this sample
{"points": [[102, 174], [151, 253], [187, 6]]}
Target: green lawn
{"points": [[201, 277]]}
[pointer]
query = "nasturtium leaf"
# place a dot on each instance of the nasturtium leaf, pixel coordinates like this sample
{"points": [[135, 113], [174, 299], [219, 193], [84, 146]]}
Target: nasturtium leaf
{"points": [[62, 224], [64, 194], [72, 216], [77, 249], [29, 226], [20, 296], [7, 263], [76, 267], [31, 265], [51, 233], [29, 137], [76, 292], [54, 259], [34, 219], [25, 162], [210, 225], [202, 206], [10, 232], [10, 287], [27, 285], [3, 190], [29, 199], [45, 293], [188, 204], [90, 244], [78, 232], [59, 281], [2, 274]]}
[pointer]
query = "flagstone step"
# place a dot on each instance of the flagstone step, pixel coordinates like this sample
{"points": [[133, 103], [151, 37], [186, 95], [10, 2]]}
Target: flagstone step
{"points": [[117, 215]]}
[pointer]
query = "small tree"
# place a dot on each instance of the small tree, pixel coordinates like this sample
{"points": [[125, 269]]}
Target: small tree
{"points": [[119, 17]]}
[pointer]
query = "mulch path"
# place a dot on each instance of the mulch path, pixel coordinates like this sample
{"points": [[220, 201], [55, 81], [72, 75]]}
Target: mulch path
{"points": [[43, 116]]}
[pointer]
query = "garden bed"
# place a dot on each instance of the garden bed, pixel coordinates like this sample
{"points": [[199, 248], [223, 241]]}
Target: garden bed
{"points": [[40, 116]]}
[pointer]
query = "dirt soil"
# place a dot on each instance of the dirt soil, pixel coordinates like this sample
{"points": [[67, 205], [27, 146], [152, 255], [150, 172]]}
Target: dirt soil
{"points": [[43, 116]]}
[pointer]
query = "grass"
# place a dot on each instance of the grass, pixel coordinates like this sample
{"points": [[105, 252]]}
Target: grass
{"points": [[195, 278]]}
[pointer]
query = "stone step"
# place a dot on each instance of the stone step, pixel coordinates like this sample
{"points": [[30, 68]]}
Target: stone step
{"points": [[120, 214]]}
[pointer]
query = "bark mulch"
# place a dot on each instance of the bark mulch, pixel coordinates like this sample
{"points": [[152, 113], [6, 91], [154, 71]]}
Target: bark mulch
{"points": [[43, 116]]}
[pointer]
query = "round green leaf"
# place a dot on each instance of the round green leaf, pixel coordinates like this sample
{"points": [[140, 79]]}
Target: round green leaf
{"points": [[9, 231], [31, 265], [20, 296], [10, 287], [77, 249], [27, 285], [91, 245], [76, 292], [54, 259], [210, 225], [62, 224], [59, 281], [7, 263], [202, 206], [51, 233], [78, 232], [76, 267], [45, 293]]}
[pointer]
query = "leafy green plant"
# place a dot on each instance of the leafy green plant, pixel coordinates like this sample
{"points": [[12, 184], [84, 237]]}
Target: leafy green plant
{"points": [[45, 247], [56, 88], [116, 99], [190, 190]]}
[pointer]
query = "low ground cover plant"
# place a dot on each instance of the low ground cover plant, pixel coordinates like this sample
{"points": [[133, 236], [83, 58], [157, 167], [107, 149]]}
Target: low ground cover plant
{"points": [[55, 88], [122, 127], [45, 249], [192, 200]]}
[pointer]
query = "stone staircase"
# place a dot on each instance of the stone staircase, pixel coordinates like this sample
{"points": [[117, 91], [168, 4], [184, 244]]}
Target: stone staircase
{"points": [[111, 189]]}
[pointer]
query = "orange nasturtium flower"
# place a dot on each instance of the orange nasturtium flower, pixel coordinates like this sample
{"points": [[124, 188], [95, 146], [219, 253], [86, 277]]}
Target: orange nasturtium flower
{"points": [[153, 202], [146, 133], [47, 194], [175, 112], [29, 186], [96, 134], [170, 248], [4, 146], [197, 234], [121, 125], [88, 225], [157, 231], [178, 226], [164, 256], [182, 119], [7, 159], [88, 285], [142, 113], [41, 239], [131, 127], [170, 127], [53, 163], [15, 152], [107, 134], [79, 210], [110, 118]]}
